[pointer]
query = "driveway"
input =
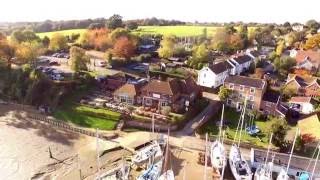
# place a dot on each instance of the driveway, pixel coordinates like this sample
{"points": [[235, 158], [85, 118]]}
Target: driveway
{"points": [[200, 119]]}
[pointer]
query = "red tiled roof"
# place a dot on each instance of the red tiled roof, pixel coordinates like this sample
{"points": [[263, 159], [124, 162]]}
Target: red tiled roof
{"points": [[130, 89], [313, 56]]}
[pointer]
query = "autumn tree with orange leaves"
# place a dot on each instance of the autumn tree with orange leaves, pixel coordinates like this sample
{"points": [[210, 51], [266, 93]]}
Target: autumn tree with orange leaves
{"points": [[124, 47], [96, 38]]}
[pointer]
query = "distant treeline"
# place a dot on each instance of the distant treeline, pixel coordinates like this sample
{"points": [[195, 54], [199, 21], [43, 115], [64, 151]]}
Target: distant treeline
{"points": [[48, 25]]}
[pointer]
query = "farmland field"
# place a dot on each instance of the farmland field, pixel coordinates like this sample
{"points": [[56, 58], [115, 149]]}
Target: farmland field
{"points": [[63, 32], [180, 31]]}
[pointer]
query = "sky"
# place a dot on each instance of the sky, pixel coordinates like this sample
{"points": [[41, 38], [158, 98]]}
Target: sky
{"points": [[277, 11]]}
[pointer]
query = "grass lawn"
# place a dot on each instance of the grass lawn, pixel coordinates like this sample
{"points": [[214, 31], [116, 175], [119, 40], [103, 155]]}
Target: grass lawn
{"points": [[231, 118], [88, 117], [63, 32]]}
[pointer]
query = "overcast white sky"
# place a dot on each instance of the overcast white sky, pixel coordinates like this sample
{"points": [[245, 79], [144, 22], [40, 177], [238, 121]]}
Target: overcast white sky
{"points": [[277, 11]]}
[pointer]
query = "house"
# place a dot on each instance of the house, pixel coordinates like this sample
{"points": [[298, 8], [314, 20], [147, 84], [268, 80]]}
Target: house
{"points": [[271, 104], [255, 54], [241, 63], [115, 81], [304, 85], [174, 93], [304, 105], [214, 75], [297, 27], [242, 87], [309, 59], [128, 93]]}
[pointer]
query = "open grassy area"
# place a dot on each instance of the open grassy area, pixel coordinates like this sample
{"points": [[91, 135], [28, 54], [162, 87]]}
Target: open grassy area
{"points": [[180, 31], [88, 117], [63, 32], [231, 118]]}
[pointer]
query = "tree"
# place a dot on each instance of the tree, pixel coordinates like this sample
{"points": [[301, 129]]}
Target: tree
{"points": [[167, 46], [124, 47], [288, 91], [114, 22], [224, 93], [279, 129], [58, 42], [302, 141], [280, 47], [24, 36], [78, 59], [46, 41], [7, 51], [313, 24], [200, 55], [132, 25], [220, 40], [291, 38], [236, 42], [284, 64], [313, 42], [28, 52]]}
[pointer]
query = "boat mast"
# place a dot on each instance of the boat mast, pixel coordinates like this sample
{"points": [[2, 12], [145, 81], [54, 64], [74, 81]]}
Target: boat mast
{"points": [[315, 163], [269, 146], [224, 157], [242, 121], [221, 123], [97, 149], [294, 142], [205, 158]]}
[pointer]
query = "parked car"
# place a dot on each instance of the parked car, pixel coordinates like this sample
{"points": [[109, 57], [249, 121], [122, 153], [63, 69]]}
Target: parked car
{"points": [[57, 77], [54, 63]]}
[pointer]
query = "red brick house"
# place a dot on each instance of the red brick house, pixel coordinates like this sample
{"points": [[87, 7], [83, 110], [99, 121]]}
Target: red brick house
{"points": [[174, 93], [271, 104], [304, 85], [241, 87], [128, 93]]}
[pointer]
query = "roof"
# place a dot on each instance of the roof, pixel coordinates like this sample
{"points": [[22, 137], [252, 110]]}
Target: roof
{"points": [[242, 59], [313, 56], [255, 53], [300, 99], [220, 67], [170, 87], [310, 125], [189, 86], [246, 81], [271, 96], [302, 80], [130, 89]]}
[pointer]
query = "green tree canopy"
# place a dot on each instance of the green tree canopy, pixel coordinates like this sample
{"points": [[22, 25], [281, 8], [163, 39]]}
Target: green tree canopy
{"points": [[58, 42]]}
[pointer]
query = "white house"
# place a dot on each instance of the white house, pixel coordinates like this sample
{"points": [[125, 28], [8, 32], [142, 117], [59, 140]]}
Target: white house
{"points": [[304, 105], [214, 75], [242, 63]]}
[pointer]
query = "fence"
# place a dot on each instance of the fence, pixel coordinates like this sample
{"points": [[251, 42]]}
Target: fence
{"points": [[68, 127]]}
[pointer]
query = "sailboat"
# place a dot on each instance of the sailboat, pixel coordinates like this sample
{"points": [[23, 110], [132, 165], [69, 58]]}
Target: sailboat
{"points": [[153, 172], [239, 166], [166, 171], [151, 151], [283, 174], [264, 172], [217, 154]]}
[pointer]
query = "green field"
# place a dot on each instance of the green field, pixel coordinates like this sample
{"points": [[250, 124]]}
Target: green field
{"points": [[180, 31], [63, 32], [88, 117]]}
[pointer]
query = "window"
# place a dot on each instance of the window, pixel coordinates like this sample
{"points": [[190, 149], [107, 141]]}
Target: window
{"points": [[251, 98], [252, 90], [240, 95], [163, 103], [204, 75], [250, 106], [241, 88], [231, 86], [229, 101]]}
